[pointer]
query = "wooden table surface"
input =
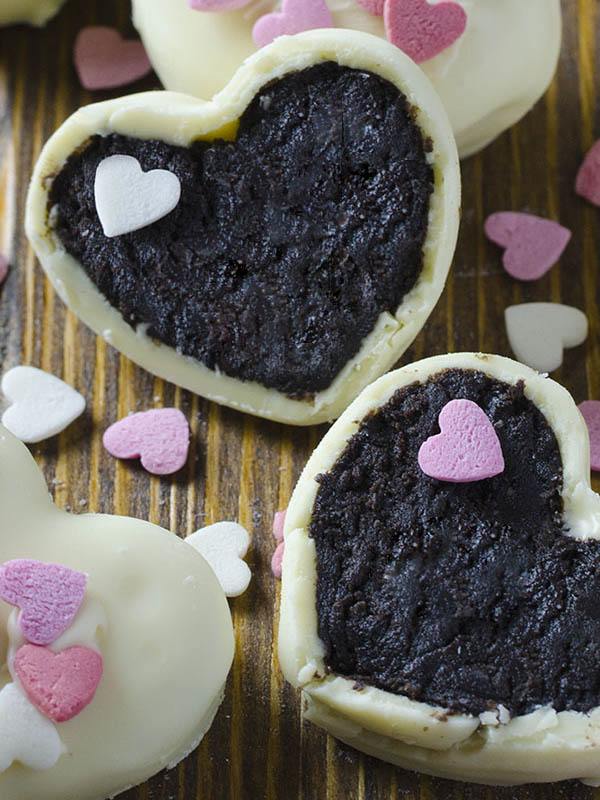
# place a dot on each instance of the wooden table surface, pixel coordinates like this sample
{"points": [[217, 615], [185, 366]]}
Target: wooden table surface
{"points": [[245, 468]]}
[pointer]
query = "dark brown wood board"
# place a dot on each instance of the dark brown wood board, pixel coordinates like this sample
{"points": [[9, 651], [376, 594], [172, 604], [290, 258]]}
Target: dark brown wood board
{"points": [[245, 468]]}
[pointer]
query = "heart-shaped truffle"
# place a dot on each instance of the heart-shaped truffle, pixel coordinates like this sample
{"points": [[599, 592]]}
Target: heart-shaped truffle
{"points": [[317, 220], [154, 615], [450, 628]]}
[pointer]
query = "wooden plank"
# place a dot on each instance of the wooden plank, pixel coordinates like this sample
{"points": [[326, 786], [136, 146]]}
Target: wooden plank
{"points": [[259, 746]]}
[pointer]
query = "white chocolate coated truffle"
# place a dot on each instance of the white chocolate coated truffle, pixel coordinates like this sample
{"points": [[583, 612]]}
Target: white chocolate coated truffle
{"points": [[35, 12], [155, 611], [487, 80], [542, 746], [179, 120]]}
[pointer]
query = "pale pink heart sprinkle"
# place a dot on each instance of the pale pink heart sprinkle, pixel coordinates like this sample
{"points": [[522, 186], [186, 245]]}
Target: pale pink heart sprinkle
{"points": [[590, 410], [374, 7], [3, 268], [217, 5], [60, 685], [295, 16], [587, 184], [104, 60], [48, 595], [466, 450], [532, 244], [160, 438], [278, 525], [422, 30], [277, 560]]}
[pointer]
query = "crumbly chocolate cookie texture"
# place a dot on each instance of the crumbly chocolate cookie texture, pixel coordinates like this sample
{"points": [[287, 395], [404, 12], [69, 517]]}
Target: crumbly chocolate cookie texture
{"points": [[288, 243], [429, 589]]}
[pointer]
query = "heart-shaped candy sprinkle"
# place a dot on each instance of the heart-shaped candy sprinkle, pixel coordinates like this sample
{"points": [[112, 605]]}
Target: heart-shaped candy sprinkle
{"points": [[26, 735], [467, 449], [422, 30], [48, 595], [374, 7], [279, 525], [538, 333], [587, 184], [217, 5], [128, 199], [533, 244], [224, 546], [41, 404], [277, 560], [590, 410], [104, 60], [160, 438], [295, 16], [60, 685]]}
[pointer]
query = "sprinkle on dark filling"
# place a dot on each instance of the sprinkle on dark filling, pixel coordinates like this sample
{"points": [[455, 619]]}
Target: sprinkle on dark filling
{"points": [[287, 244], [463, 596]]}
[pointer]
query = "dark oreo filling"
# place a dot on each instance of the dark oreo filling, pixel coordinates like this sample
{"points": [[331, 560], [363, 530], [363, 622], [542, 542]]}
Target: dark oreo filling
{"points": [[462, 596], [287, 244]]}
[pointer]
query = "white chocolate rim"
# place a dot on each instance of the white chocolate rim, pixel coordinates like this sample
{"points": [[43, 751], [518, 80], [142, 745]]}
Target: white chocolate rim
{"points": [[541, 746], [179, 120]]}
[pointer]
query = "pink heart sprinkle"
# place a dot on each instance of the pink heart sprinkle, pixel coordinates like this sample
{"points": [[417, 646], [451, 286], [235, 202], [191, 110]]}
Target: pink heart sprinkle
{"points": [[533, 244], [49, 596], [217, 5], [60, 685], [590, 410], [278, 525], [374, 7], [421, 30], [587, 184], [277, 560], [466, 450], [295, 16], [3, 268], [160, 438], [104, 60]]}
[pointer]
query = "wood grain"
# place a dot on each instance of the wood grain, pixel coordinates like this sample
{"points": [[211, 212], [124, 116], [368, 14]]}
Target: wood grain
{"points": [[244, 468]]}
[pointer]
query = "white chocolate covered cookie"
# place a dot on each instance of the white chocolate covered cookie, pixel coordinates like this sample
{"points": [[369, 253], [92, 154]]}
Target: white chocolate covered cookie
{"points": [[35, 12], [488, 79], [115, 642], [277, 304], [480, 688]]}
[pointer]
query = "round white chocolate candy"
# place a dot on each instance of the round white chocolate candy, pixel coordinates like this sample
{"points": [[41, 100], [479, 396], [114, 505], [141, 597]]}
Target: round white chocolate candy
{"points": [[154, 610], [488, 79], [542, 746], [180, 120], [35, 12]]}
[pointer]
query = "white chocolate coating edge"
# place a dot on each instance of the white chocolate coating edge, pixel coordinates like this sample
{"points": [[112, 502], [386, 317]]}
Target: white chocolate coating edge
{"points": [[166, 638], [35, 12], [179, 119], [541, 746]]}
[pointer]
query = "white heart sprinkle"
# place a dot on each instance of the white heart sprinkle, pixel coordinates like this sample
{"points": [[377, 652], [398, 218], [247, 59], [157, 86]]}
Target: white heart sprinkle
{"points": [[224, 545], [41, 404], [538, 333], [25, 734], [128, 199]]}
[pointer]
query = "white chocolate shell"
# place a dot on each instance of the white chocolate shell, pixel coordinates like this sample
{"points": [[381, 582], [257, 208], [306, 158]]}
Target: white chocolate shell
{"points": [[487, 80], [179, 120], [157, 614], [538, 747]]}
